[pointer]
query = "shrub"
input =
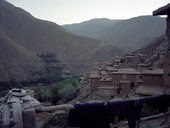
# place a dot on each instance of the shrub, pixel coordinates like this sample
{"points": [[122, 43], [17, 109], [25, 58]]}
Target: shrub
{"points": [[67, 93]]}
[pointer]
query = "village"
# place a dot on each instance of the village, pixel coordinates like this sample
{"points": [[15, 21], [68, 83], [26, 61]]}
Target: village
{"points": [[119, 88], [131, 75]]}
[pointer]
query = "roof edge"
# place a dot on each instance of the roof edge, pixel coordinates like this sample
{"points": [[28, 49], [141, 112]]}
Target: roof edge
{"points": [[165, 10]]}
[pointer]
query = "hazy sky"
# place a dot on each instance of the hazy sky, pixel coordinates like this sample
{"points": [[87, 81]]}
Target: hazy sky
{"points": [[74, 11]]}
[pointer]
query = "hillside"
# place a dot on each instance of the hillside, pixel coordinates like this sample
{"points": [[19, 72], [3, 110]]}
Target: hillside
{"points": [[130, 34], [90, 28], [92, 60], [41, 36], [153, 49], [16, 62], [35, 36]]}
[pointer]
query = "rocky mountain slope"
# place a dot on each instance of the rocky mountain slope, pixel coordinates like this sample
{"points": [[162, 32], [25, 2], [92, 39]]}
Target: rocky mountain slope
{"points": [[28, 36], [155, 51], [130, 34]]}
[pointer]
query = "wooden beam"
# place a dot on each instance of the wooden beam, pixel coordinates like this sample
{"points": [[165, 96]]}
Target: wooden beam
{"points": [[116, 125], [54, 108]]}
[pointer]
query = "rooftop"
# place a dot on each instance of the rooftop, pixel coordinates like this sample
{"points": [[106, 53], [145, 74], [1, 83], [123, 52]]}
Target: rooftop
{"points": [[95, 75], [126, 71], [150, 90], [108, 87], [106, 79], [104, 73], [125, 82], [156, 71], [112, 69], [165, 10]]}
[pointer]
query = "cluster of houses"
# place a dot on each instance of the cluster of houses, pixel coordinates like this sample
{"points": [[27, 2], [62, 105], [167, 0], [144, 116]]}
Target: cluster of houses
{"points": [[112, 80]]}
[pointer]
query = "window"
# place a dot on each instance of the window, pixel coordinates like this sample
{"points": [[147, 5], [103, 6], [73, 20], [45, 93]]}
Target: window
{"points": [[132, 84], [107, 92], [140, 76], [118, 91], [124, 76], [117, 83]]}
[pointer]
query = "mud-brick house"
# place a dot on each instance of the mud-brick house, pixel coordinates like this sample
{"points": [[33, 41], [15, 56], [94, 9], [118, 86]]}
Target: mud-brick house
{"points": [[106, 88], [134, 58], [144, 66], [153, 77], [125, 79], [110, 69], [165, 10], [152, 82], [104, 73], [109, 63], [129, 58], [125, 76], [94, 80]]}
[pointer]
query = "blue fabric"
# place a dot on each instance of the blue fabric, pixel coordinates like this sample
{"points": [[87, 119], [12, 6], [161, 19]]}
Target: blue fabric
{"points": [[99, 115], [160, 103], [89, 115], [130, 109]]}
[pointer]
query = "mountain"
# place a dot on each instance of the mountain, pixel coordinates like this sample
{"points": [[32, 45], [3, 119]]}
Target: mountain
{"points": [[16, 62], [90, 28], [159, 44], [26, 37], [130, 34], [155, 51]]}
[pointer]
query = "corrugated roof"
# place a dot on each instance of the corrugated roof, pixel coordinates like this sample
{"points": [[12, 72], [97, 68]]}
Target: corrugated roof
{"points": [[162, 11]]}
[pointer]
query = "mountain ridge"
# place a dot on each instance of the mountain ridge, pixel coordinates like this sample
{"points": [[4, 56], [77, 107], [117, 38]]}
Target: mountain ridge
{"points": [[131, 34], [91, 27], [33, 37]]}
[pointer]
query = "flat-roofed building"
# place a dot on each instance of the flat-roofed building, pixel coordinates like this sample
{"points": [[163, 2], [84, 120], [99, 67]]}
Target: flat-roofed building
{"points": [[94, 80], [152, 82]]}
